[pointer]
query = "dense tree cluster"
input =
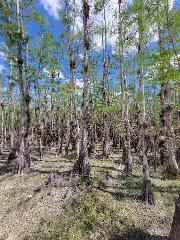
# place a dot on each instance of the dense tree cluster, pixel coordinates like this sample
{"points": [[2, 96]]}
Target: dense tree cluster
{"points": [[129, 97]]}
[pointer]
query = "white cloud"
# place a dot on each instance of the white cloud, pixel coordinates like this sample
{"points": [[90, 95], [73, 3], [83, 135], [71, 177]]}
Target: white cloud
{"points": [[174, 61], [78, 24], [171, 4], [81, 56], [116, 94], [98, 41], [3, 50], [52, 7], [153, 31], [79, 82], [60, 75], [2, 55], [45, 71], [98, 21], [154, 36]]}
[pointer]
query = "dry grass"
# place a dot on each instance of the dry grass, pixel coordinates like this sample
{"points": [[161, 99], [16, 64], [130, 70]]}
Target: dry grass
{"points": [[111, 209]]}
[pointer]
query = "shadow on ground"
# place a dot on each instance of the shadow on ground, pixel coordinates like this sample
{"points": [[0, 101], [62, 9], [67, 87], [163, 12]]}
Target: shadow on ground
{"points": [[4, 166], [136, 234]]}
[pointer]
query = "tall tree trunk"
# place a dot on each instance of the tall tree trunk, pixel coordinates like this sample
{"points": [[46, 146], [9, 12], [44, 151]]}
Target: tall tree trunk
{"points": [[175, 227], [91, 140], [147, 190], [53, 76], [82, 165], [106, 130], [2, 117], [2, 126], [45, 112], [127, 156], [170, 34], [68, 137], [22, 164], [166, 144], [11, 104], [74, 125]]}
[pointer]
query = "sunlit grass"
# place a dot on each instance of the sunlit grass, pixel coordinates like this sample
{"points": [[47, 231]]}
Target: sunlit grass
{"points": [[109, 209]]}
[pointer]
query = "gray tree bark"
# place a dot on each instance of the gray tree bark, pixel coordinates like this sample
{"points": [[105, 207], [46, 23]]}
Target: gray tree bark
{"points": [[82, 164], [167, 136], [175, 227], [127, 156], [22, 164]]}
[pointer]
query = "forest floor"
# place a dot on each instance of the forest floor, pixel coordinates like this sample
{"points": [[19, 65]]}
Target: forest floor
{"points": [[109, 209]]}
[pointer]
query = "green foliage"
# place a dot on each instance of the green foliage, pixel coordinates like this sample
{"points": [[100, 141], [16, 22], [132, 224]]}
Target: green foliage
{"points": [[98, 5], [38, 17], [53, 232], [107, 109], [113, 209]]}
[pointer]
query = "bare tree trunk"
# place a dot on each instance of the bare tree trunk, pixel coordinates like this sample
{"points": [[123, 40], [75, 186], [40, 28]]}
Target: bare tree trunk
{"points": [[82, 164], [68, 137], [167, 145], [106, 130], [175, 227], [45, 112], [2, 128], [61, 135], [170, 34], [2, 118], [147, 190], [74, 125], [127, 138], [11, 104], [22, 164], [127, 156]]}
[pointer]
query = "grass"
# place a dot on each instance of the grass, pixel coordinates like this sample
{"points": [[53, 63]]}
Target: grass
{"points": [[109, 209]]}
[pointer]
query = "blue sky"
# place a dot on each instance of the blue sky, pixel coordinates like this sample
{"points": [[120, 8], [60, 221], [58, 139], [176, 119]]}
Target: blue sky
{"points": [[49, 9]]}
